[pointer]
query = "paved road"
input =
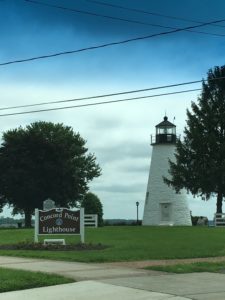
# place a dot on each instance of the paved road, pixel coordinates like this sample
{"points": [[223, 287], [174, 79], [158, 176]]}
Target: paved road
{"points": [[104, 281]]}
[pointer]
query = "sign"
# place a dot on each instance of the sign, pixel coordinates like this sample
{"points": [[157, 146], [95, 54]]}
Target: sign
{"points": [[58, 221]]}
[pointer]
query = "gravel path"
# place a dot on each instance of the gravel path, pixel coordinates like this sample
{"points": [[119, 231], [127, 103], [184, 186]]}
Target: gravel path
{"points": [[146, 263]]}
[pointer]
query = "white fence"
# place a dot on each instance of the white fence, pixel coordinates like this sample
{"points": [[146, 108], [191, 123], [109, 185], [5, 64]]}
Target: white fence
{"points": [[90, 220], [220, 220]]}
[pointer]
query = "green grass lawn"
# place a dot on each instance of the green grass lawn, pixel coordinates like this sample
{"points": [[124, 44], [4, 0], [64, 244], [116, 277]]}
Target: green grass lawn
{"points": [[214, 267], [127, 243], [12, 280]]}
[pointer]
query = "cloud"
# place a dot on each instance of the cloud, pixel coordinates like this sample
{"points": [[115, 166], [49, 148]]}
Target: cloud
{"points": [[121, 189], [123, 151]]}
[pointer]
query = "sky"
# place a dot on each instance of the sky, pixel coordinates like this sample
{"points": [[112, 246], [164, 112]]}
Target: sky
{"points": [[118, 133]]}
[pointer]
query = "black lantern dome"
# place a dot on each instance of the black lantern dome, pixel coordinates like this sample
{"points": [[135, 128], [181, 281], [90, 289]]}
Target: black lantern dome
{"points": [[165, 133]]}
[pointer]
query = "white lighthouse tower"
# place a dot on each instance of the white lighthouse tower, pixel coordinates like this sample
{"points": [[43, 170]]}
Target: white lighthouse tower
{"points": [[162, 205]]}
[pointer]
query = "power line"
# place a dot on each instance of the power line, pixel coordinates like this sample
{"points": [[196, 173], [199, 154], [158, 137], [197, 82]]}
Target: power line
{"points": [[111, 94], [91, 13], [105, 95], [148, 12], [108, 44], [97, 103], [114, 18]]}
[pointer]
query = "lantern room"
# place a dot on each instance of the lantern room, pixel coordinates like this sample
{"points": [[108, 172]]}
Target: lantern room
{"points": [[165, 133]]}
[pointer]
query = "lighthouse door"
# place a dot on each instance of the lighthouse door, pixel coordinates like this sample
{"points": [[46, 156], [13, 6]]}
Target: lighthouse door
{"points": [[165, 212]]}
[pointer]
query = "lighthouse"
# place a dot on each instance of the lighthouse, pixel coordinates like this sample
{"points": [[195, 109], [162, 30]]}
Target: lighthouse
{"points": [[163, 206]]}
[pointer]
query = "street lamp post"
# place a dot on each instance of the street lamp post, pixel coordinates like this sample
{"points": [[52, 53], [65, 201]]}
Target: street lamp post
{"points": [[137, 204]]}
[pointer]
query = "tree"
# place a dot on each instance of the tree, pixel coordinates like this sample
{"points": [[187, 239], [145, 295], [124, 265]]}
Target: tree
{"points": [[93, 205], [200, 157], [2, 204], [44, 160]]}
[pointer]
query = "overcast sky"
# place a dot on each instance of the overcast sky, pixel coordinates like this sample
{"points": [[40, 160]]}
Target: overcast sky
{"points": [[118, 134]]}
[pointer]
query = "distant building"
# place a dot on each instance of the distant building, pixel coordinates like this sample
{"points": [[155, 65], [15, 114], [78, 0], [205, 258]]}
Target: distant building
{"points": [[162, 205]]}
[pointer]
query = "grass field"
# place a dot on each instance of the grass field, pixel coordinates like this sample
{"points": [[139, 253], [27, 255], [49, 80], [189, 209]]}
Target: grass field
{"points": [[214, 267], [127, 243], [12, 280]]}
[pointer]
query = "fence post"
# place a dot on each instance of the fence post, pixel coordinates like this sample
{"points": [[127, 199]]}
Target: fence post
{"points": [[36, 228], [96, 220], [82, 224]]}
